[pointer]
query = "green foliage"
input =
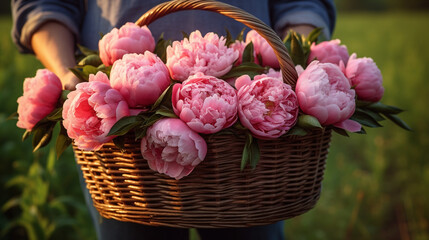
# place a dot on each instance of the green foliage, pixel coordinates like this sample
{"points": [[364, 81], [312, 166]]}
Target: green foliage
{"points": [[40, 195], [374, 185]]}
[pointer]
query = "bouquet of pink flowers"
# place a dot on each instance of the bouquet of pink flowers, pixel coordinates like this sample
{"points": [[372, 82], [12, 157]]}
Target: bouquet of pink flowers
{"points": [[167, 95]]}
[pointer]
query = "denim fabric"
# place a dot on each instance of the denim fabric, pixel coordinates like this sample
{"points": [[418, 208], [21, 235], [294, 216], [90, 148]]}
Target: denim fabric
{"points": [[87, 19]]}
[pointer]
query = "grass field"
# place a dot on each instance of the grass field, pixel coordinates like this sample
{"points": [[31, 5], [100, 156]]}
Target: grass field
{"points": [[375, 185]]}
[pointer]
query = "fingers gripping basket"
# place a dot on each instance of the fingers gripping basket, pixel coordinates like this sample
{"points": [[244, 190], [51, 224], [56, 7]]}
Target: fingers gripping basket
{"points": [[285, 183]]}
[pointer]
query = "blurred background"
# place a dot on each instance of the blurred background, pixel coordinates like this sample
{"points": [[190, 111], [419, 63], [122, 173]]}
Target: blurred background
{"points": [[375, 185]]}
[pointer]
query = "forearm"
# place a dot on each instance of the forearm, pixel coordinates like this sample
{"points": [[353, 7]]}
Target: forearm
{"points": [[53, 44]]}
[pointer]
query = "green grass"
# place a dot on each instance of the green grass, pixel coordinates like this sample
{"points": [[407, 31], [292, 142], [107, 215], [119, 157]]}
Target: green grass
{"points": [[375, 185]]}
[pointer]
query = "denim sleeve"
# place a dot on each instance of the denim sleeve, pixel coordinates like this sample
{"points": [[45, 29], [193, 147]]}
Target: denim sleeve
{"points": [[29, 15], [319, 13]]}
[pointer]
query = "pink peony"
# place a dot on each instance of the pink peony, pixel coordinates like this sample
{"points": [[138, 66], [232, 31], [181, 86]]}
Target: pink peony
{"points": [[130, 38], [40, 96], [266, 106], [172, 148], [329, 52], [205, 103], [207, 54], [366, 77], [325, 93], [261, 47], [238, 46], [91, 110], [140, 78]]}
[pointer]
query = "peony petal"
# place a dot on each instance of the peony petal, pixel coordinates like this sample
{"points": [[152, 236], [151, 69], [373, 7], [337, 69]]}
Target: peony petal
{"points": [[349, 125]]}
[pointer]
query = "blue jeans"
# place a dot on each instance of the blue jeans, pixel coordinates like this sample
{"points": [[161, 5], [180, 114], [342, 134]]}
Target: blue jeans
{"points": [[110, 229]]}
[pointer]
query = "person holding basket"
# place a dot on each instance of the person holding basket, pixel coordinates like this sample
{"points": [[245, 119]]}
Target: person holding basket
{"points": [[51, 30]]}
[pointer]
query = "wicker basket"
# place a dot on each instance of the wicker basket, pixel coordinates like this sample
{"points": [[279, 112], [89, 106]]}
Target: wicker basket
{"points": [[285, 183]]}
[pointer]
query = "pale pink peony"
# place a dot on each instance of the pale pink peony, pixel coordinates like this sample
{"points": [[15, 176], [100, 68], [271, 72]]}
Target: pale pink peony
{"points": [[266, 106], [329, 52], [325, 93], [130, 38], [366, 77], [91, 110], [238, 46], [172, 148], [207, 54], [140, 78], [261, 47], [206, 104], [40, 96]]}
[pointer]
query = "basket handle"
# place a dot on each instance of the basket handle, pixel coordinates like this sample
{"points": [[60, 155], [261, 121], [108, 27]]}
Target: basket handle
{"points": [[286, 65]]}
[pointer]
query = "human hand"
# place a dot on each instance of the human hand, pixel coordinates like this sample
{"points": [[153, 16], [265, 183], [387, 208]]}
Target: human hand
{"points": [[69, 81], [303, 29]]}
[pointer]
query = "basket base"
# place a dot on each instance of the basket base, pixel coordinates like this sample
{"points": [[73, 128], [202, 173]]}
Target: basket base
{"points": [[285, 183]]}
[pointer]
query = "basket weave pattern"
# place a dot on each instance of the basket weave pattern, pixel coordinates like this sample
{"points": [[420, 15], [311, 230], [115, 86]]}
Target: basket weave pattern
{"points": [[285, 183]]}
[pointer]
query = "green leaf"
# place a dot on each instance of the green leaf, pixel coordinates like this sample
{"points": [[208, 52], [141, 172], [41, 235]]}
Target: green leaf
{"points": [[246, 151], [228, 39], [312, 37], [63, 141], [248, 52], [93, 60], [79, 74], [297, 52], [26, 135], [13, 202], [88, 69], [119, 142], [161, 46], [124, 125], [382, 108], [375, 115], [255, 153], [86, 51], [297, 131], [308, 122], [251, 152], [165, 112], [42, 135], [248, 68], [165, 97], [395, 119], [240, 36], [13, 116], [185, 35], [152, 119], [365, 119], [287, 41], [140, 132], [340, 131], [55, 115]]}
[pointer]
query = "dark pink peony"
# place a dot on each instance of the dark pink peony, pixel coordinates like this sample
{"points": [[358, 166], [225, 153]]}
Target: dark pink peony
{"points": [[91, 110], [267, 106], [206, 104], [41, 94], [172, 148]]}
